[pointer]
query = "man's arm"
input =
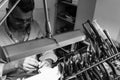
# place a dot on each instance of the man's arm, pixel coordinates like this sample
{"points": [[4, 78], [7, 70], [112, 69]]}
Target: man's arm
{"points": [[48, 55], [9, 67]]}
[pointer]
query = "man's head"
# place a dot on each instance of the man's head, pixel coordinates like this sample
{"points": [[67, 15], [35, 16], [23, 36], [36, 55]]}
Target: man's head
{"points": [[24, 5], [22, 15]]}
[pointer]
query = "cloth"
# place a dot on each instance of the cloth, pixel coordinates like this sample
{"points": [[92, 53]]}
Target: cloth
{"points": [[5, 39]]}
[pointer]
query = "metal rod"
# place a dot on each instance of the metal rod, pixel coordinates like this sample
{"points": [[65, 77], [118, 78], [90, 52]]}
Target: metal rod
{"points": [[74, 75], [47, 20], [46, 10], [109, 38], [4, 18], [2, 3]]}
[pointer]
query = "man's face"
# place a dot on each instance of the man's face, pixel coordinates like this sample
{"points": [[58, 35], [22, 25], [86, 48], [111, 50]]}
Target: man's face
{"points": [[20, 20]]}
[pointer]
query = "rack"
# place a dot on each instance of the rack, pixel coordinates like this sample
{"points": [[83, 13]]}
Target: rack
{"points": [[74, 75], [93, 56]]}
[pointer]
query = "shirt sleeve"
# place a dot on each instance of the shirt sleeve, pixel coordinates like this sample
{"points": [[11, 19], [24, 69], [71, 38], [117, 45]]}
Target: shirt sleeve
{"points": [[49, 55]]}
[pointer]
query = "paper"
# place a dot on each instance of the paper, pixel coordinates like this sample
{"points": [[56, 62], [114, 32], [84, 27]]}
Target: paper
{"points": [[47, 74]]}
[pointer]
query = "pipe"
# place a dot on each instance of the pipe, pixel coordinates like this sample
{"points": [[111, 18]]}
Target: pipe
{"points": [[47, 21], [4, 18]]}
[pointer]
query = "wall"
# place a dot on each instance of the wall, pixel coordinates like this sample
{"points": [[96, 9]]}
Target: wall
{"points": [[107, 13], [39, 14], [85, 11]]}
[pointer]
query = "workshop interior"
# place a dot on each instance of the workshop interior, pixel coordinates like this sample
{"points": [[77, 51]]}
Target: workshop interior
{"points": [[84, 35]]}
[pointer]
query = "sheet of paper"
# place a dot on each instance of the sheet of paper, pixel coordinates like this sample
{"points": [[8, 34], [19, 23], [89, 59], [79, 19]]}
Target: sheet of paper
{"points": [[46, 74]]}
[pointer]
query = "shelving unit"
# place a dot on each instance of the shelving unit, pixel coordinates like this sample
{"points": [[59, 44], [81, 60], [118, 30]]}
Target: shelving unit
{"points": [[70, 14], [65, 16]]}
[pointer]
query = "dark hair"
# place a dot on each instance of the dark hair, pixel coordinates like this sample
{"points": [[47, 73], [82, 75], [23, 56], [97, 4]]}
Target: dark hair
{"points": [[24, 5]]}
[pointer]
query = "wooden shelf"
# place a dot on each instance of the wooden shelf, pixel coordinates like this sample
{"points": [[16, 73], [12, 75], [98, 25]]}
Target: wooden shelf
{"points": [[65, 20], [68, 3]]}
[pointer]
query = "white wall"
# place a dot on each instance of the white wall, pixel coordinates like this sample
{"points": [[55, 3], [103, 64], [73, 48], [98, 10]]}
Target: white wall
{"points": [[107, 13], [39, 14]]}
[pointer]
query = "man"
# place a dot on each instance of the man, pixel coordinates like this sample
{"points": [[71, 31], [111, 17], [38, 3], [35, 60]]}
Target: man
{"points": [[18, 27]]}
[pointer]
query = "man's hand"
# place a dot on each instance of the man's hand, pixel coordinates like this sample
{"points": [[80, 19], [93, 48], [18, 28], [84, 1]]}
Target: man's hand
{"points": [[30, 64], [45, 63]]}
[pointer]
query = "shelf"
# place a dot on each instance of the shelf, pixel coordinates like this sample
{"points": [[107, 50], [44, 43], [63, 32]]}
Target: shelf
{"points": [[65, 16], [65, 20], [65, 2]]}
